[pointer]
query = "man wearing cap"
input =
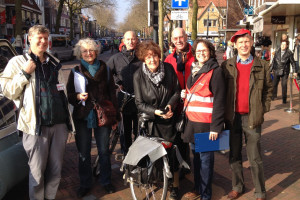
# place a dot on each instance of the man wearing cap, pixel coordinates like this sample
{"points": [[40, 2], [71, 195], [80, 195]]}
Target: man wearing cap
{"points": [[249, 91]]}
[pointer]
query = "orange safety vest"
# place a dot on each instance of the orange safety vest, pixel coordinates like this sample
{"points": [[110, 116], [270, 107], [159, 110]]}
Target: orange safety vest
{"points": [[200, 107]]}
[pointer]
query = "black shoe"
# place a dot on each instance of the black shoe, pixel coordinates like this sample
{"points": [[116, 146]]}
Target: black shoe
{"points": [[174, 193], [284, 101], [81, 192], [109, 188]]}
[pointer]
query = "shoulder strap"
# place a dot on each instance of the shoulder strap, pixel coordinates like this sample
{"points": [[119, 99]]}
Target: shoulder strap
{"points": [[108, 73], [193, 93]]}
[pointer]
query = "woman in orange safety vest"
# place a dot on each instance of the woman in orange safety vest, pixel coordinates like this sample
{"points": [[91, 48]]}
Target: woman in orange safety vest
{"points": [[205, 102]]}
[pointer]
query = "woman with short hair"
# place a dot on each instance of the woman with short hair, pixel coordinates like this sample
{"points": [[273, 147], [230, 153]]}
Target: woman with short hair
{"points": [[100, 87], [157, 93]]}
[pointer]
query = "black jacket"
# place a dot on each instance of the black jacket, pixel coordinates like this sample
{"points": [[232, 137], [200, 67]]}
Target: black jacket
{"points": [[123, 69], [99, 88], [218, 89], [279, 64], [149, 98]]}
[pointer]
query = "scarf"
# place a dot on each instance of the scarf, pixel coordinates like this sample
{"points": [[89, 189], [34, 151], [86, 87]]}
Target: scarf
{"points": [[92, 68], [155, 77], [196, 68], [129, 54], [181, 58]]}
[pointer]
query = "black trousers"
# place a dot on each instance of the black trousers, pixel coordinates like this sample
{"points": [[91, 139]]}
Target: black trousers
{"points": [[130, 122], [276, 80]]}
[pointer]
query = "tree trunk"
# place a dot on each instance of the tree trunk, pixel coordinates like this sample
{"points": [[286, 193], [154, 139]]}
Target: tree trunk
{"points": [[161, 27], [18, 25], [59, 11], [194, 20], [170, 31], [71, 35]]}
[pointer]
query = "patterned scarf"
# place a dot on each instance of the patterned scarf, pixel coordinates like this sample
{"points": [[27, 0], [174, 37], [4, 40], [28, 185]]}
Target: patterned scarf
{"points": [[155, 77], [196, 68]]}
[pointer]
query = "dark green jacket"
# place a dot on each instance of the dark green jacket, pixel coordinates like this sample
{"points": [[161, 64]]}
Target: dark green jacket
{"points": [[260, 90]]}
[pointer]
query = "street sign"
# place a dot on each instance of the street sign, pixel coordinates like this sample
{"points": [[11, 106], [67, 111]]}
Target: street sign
{"points": [[249, 11], [180, 4], [179, 15]]}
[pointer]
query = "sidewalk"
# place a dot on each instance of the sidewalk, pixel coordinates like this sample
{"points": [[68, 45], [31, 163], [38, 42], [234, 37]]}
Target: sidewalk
{"points": [[281, 155]]}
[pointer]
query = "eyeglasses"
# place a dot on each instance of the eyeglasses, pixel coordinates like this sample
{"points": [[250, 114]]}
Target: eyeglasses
{"points": [[88, 51], [153, 56], [202, 51]]}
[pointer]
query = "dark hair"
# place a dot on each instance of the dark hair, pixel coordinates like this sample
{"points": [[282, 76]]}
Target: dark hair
{"points": [[144, 47], [208, 44], [286, 41]]}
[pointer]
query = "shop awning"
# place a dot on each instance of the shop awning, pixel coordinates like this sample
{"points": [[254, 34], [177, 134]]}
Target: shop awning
{"points": [[281, 8]]}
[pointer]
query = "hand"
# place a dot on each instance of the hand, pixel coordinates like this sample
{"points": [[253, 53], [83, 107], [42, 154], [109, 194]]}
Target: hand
{"points": [[183, 94], [295, 75], [120, 87], [169, 114], [82, 96], [114, 127], [29, 66], [213, 136]]}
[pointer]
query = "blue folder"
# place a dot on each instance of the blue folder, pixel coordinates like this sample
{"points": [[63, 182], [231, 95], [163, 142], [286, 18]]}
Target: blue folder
{"points": [[203, 144]]}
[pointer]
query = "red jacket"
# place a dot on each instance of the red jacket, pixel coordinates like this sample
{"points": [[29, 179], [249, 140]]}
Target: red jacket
{"points": [[190, 59]]}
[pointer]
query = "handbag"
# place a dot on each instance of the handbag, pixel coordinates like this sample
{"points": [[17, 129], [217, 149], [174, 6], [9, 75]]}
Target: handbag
{"points": [[181, 119], [106, 113]]}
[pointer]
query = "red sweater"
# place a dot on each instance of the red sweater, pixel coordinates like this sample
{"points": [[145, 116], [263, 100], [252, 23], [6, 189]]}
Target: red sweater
{"points": [[242, 88]]}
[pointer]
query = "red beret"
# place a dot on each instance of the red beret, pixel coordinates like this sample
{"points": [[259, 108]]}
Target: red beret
{"points": [[239, 33]]}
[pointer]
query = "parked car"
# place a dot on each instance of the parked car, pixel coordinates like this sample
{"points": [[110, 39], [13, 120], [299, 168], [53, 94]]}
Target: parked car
{"points": [[99, 45], [13, 159], [59, 45], [104, 44]]}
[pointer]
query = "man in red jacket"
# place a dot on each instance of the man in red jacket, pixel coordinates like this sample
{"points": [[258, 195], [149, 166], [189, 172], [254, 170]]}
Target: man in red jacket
{"points": [[182, 58]]}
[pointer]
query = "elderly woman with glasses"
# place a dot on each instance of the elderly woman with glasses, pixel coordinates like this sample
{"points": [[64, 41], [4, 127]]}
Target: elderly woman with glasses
{"points": [[205, 102], [157, 93], [99, 87]]}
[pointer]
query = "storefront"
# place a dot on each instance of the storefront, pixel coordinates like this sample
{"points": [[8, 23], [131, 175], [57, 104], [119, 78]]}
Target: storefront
{"points": [[284, 18]]}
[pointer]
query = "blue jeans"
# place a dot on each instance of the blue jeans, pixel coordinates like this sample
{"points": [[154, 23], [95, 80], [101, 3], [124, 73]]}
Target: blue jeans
{"points": [[203, 173], [83, 140]]}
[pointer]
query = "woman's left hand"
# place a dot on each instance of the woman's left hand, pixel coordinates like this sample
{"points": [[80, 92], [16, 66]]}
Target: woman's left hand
{"points": [[213, 136], [114, 127], [169, 114]]}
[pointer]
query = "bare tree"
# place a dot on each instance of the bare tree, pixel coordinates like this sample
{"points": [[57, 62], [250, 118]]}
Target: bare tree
{"points": [[18, 25], [59, 11], [194, 20]]}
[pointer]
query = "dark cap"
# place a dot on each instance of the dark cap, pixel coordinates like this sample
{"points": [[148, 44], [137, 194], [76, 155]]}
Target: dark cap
{"points": [[239, 33]]}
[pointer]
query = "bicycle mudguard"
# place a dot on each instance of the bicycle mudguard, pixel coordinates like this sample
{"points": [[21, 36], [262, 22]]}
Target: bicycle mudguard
{"points": [[141, 147]]}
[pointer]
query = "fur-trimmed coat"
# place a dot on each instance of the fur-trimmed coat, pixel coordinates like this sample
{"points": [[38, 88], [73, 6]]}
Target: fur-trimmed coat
{"points": [[98, 87]]}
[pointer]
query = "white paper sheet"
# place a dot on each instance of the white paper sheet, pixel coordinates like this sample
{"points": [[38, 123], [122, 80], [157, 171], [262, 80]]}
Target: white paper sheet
{"points": [[80, 83]]}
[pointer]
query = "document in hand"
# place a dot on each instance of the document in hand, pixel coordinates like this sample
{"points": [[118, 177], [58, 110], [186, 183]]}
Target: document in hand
{"points": [[203, 144], [80, 83]]}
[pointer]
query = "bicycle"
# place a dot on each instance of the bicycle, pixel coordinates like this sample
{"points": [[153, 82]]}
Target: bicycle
{"points": [[146, 166], [115, 134]]}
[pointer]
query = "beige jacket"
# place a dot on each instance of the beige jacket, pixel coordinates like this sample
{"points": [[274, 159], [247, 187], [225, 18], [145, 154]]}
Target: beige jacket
{"points": [[13, 82]]}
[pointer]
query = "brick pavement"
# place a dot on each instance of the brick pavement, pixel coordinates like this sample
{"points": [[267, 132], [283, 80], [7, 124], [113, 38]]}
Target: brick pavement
{"points": [[281, 156]]}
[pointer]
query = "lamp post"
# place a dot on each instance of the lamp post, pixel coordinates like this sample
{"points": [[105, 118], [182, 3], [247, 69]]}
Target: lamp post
{"points": [[80, 22], [207, 23]]}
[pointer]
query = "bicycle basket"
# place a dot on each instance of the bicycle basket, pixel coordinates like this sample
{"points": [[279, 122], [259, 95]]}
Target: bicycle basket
{"points": [[140, 172]]}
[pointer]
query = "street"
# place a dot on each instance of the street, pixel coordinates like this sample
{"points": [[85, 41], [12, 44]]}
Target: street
{"points": [[280, 149]]}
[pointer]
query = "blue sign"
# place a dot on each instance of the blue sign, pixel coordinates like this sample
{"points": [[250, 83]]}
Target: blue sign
{"points": [[180, 4], [249, 11]]}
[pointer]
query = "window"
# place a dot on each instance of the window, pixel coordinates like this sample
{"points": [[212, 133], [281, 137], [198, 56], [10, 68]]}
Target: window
{"points": [[211, 23]]}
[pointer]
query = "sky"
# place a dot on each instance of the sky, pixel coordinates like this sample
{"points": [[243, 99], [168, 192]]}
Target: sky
{"points": [[122, 8]]}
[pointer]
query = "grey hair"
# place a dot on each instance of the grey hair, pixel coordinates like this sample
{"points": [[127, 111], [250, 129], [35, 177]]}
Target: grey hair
{"points": [[38, 29], [89, 42]]}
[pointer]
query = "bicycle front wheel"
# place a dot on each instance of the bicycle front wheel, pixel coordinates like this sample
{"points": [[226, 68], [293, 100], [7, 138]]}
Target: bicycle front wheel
{"points": [[156, 188]]}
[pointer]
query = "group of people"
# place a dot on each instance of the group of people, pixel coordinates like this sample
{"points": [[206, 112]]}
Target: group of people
{"points": [[190, 77]]}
